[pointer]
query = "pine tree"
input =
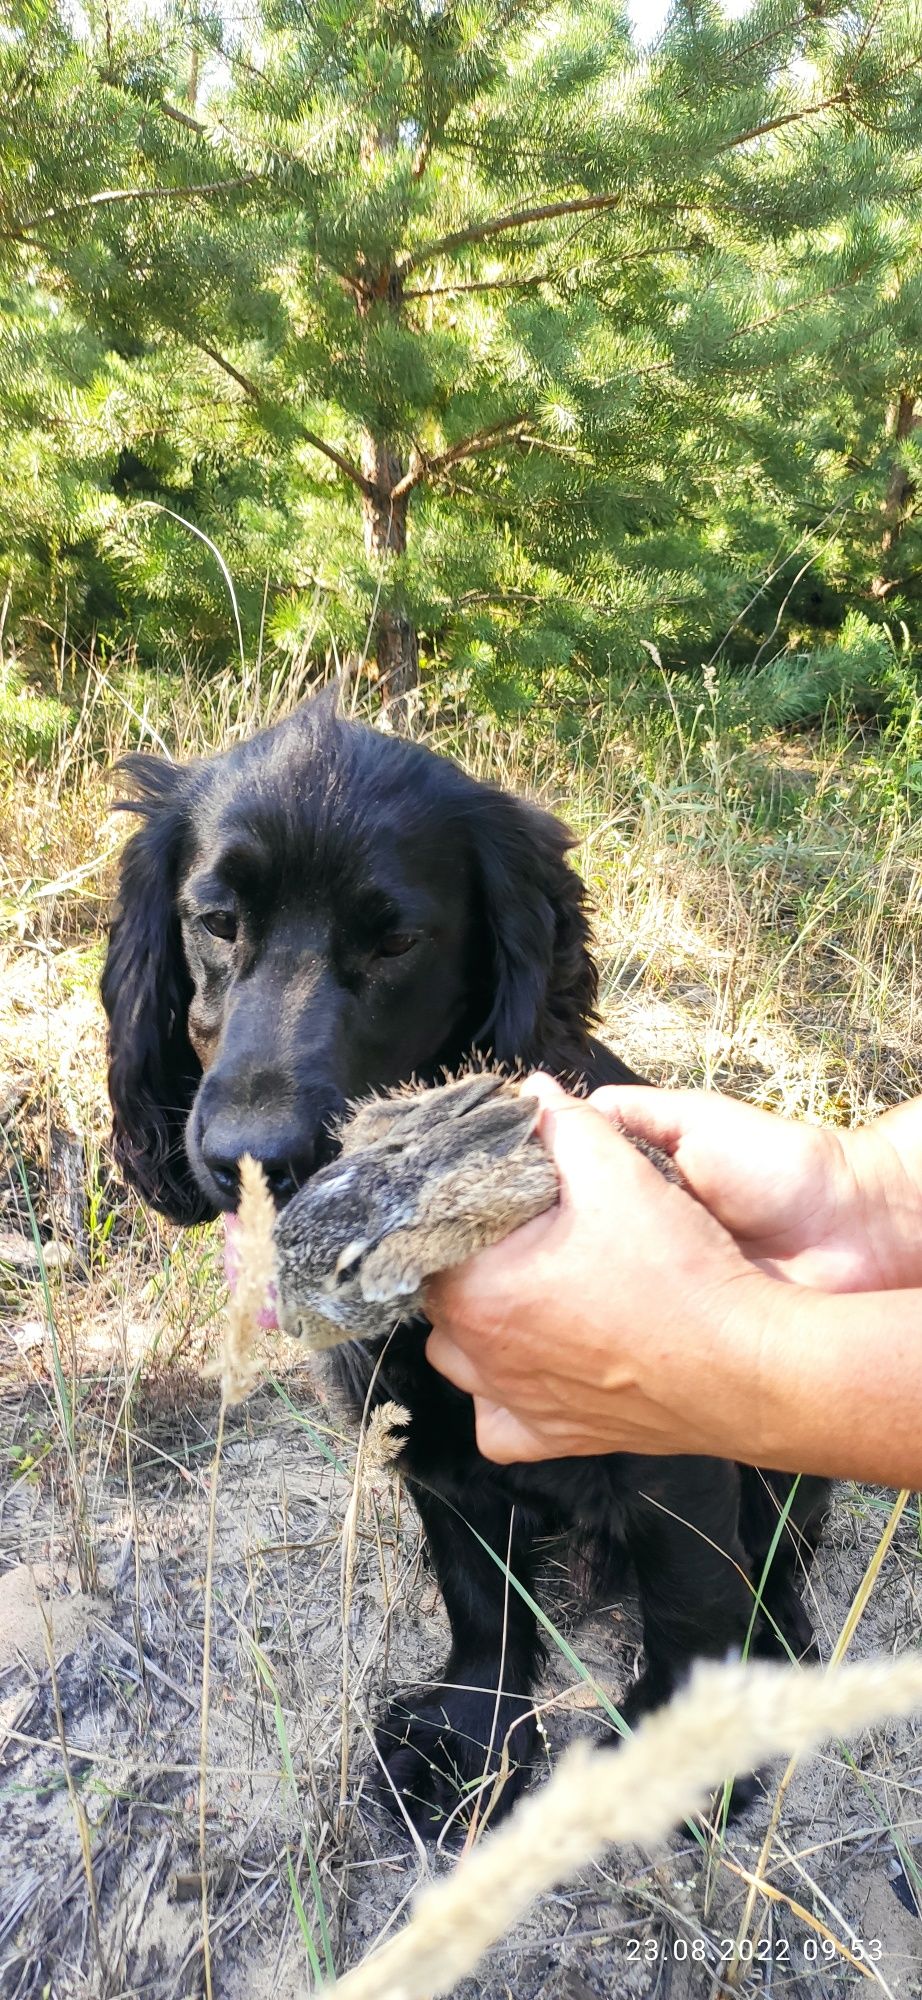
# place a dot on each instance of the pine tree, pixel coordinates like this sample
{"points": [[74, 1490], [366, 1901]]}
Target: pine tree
{"points": [[460, 318]]}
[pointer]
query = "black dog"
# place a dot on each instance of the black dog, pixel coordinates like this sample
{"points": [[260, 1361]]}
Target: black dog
{"points": [[324, 911]]}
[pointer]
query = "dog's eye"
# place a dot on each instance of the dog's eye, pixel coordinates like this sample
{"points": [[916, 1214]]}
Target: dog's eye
{"points": [[220, 924], [395, 944]]}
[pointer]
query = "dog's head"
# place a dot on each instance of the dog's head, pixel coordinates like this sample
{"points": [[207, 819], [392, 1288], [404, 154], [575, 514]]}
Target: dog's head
{"points": [[316, 913]]}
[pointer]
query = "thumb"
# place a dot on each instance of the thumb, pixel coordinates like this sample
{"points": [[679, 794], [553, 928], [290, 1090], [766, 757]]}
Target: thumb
{"points": [[665, 1118], [737, 1159]]}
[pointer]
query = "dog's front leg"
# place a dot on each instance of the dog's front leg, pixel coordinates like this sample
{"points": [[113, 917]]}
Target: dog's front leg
{"points": [[444, 1745]]}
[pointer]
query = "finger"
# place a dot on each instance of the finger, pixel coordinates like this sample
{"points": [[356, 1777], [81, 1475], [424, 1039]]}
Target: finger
{"points": [[504, 1438], [663, 1117], [451, 1361]]}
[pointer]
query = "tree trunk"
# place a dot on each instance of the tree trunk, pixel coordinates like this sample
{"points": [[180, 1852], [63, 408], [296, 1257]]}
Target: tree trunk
{"points": [[900, 486], [385, 525]]}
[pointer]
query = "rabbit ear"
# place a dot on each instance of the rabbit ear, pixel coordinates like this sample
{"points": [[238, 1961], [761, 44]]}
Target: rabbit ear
{"points": [[498, 1126], [462, 1097], [349, 1259], [544, 978], [393, 1269], [146, 989]]}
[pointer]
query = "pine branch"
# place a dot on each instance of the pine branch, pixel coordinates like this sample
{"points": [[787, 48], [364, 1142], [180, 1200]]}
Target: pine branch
{"points": [[594, 204], [797, 305], [546, 277], [745, 51], [869, 30], [479, 232], [481, 285], [183, 118], [255, 395], [429, 141], [423, 156], [109, 196], [498, 596], [345, 465], [843, 96], [243, 381], [429, 468], [349, 282], [574, 453], [759, 325]]}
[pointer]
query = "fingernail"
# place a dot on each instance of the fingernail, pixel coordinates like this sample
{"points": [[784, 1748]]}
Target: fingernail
{"points": [[545, 1088]]}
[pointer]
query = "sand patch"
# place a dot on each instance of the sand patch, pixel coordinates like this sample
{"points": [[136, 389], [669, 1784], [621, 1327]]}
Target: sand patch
{"points": [[33, 1617]]}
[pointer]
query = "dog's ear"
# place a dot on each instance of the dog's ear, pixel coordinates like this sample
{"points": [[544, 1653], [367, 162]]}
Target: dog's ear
{"points": [[544, 979], [146, 989], [323, 706]]}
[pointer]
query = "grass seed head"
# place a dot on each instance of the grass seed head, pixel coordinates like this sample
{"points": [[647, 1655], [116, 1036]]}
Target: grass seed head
{"points": [[241, 1361]]}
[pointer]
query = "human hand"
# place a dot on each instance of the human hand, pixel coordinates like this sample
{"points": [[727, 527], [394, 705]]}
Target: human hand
{"points": [[626, 1319], [839, 1211]]}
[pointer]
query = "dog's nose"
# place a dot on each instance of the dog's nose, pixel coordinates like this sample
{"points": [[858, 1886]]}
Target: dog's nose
{"points": [[287, 1158]]}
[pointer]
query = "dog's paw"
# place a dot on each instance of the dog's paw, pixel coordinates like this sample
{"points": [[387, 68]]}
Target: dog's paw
{"points": [[644, 1698], [443, 1750], [785, 1631]]}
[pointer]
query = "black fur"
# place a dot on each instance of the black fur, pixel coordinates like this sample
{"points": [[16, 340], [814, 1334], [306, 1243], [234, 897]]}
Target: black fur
{"points": [[146, 989], [332, 845]]}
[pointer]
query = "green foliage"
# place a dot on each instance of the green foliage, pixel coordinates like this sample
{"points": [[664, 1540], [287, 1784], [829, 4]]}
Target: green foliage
{"points": [[606, 343], [30, 723]]}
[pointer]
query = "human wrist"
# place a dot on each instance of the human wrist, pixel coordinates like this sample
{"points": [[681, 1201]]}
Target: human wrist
{"points": [[715, 1365], [773, 1384], [749, 1327]]}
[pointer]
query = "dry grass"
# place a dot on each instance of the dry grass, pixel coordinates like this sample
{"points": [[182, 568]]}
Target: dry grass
{"points": [[757, 921], [730, 1717]]}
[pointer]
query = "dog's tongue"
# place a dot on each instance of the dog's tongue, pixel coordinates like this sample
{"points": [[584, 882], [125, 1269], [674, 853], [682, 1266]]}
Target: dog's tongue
{"points": [[267, 1317]]}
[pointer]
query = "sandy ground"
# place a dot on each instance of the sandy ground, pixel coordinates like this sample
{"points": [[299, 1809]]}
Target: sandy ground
{"points": [[101, 1679], [124, 1696]]}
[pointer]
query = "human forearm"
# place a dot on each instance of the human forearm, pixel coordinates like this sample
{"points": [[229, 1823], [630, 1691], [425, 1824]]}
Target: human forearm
{"points": [[837, 1387]]}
